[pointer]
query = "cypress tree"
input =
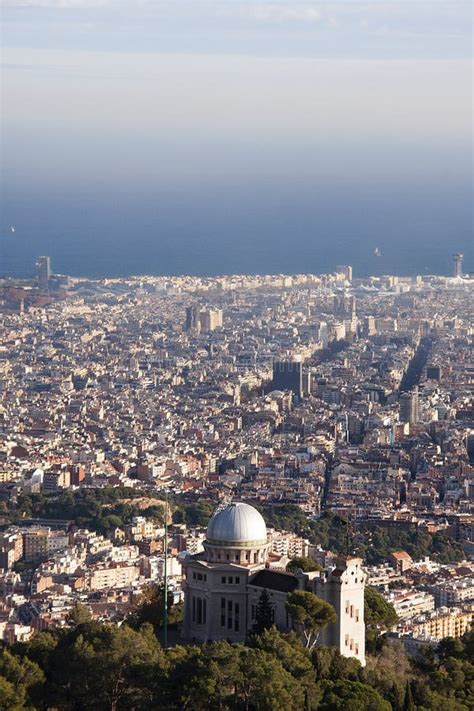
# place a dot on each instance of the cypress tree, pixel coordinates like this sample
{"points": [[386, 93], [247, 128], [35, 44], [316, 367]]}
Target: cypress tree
{"points": [[408, 703], [264, 614]]}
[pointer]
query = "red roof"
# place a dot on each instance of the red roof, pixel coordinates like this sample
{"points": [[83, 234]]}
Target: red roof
{"points": [[400, 555]]}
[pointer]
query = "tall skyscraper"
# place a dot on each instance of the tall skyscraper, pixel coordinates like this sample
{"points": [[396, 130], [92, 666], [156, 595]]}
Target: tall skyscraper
{"points": [[44, 272], [457, 267], [409, 407], [192, 319], [345, 305], [202, 320]]}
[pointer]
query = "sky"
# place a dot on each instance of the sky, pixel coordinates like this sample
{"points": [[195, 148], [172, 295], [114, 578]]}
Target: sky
{"points": [[214, 136]]}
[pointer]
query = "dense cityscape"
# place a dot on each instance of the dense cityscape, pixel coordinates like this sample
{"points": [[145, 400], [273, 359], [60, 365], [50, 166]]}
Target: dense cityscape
{"points": [[241, 447]]}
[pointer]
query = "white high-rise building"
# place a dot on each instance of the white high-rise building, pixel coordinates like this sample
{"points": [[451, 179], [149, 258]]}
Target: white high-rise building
{"points": [[210, 319], [223, 585]]}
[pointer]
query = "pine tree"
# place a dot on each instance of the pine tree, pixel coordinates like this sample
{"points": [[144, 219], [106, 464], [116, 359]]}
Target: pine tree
{"points": [[408, 703], [264, 614]]}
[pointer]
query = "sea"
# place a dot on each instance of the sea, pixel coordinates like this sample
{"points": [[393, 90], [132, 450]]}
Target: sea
{"points": [[221, 230]]}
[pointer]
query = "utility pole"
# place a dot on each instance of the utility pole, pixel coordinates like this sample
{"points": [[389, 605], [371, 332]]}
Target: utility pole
{"points": [[347, 536], [165, 576]]}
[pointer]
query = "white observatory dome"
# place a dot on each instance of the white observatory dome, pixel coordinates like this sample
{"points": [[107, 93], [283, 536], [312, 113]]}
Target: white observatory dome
{"points": [[237, 524]]}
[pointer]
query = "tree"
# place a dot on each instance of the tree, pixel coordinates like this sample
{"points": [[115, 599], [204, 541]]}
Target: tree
{"points": [[310, 614], [303, 563], [266, 684], [450, 647], [445, 681], [294, 658], [377, 611], [190, 682], [344, 694], [201, 678], [329, 663], [196, 514], [408, 704], [287, 517], [79, 615], [17, 677], [264, 614], [225, 659], [108, 523], [102, 667], [379, 616], [11, 698], [388, 672], [150, 609]]}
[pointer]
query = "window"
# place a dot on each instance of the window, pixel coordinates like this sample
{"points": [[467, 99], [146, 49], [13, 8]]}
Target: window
{"points": [[347, 607], [229, 614], [357, 649], [199, 576], [204, 611], [194, 610], [223, 580], [346, 641], [357, 615], [222, 611], [237, 580], [231, 580], [194, 575], [252, 612], [352, 610], [199, 611], [236, 617], [237, 557]]}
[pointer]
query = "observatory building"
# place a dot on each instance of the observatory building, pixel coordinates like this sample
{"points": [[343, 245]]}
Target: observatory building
{"points": [[223, 585]]}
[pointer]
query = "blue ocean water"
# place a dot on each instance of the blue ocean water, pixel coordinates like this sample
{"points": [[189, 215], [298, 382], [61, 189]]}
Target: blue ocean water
{"points": [[272, 227]]}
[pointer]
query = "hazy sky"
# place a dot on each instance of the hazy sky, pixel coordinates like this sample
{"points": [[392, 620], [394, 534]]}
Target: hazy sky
{"points": [[187, 118]]}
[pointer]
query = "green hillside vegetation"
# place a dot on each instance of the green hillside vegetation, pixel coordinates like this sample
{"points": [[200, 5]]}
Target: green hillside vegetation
{"points": [[103, 667], [374, 545], [98, 510]]}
